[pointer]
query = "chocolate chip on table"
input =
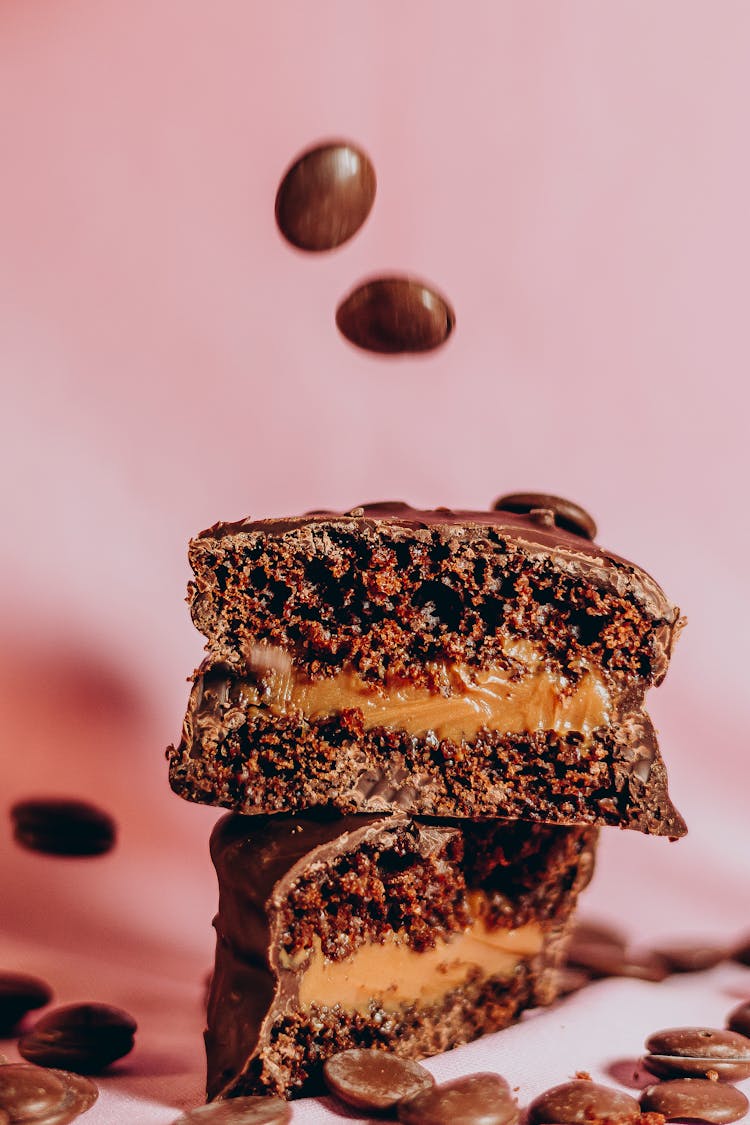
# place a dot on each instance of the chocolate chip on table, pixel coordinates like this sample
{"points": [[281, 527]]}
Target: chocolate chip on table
{"points": [[84, 1038], [45, 1097], [238, 1111], [477, 1099], [694, 1051], [739, 1019], [325, 196], [374, 1080], [571, 980], [393, 315], [581, 1102], [691, 957], [57, 826], [19, 994], [742, 952], [695, 1099], [565, 513], [600, 960]]}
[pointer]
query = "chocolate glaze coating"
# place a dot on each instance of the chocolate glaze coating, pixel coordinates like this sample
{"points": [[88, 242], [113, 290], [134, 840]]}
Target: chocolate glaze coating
{"points": [[259, 862]]}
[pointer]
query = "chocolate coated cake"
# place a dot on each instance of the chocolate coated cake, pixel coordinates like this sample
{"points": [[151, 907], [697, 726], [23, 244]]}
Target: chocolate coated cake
{"points": [[477, 664], [385, 931]]}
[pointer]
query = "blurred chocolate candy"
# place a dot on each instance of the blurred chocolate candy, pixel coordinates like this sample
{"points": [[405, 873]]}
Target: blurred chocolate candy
{"points": [[739, 1019], [19, 994], [238, 1111], [325, 196], [691, 957], [393, 315], [84, 1038], [57, 826], [48, 1097], [565, 513]]}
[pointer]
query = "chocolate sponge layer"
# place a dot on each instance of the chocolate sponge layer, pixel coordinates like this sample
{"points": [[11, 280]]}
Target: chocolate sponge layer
{"points": [[296, 892], [395, 599]]}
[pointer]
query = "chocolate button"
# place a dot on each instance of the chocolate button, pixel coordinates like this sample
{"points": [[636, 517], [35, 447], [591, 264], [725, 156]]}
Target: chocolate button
{"points": [[565, 513], [84, 1038], [477, 1099], [325, 196], [695, 1099], [238, 1111], [374, 1080], [581, 1102], [739, 1019], [742, 952], [392, 315], [61, 827], [600, 960], [46, 1097], [691, 957], [20, 994], [694, 1051]]}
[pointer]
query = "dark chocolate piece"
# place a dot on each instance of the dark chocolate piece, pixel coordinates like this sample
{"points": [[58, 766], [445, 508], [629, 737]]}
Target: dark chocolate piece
{"points": [[46, 1097], [564, 513], [694, 1051], [84, 1038], [580, 1102], [456, 664], [602, 960], [691, 957], [238, 1111], [325, 196], [739, 1019], [380, 932], [19, 994], [374, 1080], [695, 1099], [393, 315], [57, 826], [476, 1099]]}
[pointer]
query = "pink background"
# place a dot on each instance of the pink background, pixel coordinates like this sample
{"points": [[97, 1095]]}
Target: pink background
{"points": [[575, 177]]}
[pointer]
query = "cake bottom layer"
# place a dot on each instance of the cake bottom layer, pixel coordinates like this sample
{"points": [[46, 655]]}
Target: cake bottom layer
{"points": [[301, 1039], [411, 935]]}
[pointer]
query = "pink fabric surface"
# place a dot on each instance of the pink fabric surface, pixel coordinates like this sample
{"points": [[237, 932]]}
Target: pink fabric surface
{"points": [[575, 177]]}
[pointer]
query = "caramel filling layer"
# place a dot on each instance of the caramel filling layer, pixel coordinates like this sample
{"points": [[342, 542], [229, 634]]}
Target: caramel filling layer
{"points": [[525, 697], [392, 974]]}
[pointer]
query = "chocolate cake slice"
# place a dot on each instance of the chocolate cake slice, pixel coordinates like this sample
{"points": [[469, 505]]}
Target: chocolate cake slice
{"points": [[389, 932], [441, 663]]}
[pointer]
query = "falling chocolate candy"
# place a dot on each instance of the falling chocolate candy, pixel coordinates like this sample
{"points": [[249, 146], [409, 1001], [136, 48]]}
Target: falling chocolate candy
{"points": [[325, 196], [392, 315]]}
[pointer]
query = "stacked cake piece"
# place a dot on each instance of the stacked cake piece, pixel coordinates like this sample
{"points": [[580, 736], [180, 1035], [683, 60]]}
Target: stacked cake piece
{"points": [[422, 718]]}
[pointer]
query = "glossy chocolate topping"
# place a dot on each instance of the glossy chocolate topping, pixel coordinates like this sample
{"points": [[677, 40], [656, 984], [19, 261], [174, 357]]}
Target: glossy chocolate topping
{"points": [[571, 551]]}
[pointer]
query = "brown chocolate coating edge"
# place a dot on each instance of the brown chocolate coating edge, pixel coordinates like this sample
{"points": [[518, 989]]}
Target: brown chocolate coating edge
{"points": [[248, 985]]}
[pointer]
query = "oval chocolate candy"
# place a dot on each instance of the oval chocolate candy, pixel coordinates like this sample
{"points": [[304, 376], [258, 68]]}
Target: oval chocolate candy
{"points": [[696, 1051], [84, 1038], [581, 1102], [695, 1099], [33, 1094], [19, 994], [325, 196], [565, 513], [395, 315], [739, 1019], [477, 1099], [62, 827], [238, 1111], [374, 1080]]}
